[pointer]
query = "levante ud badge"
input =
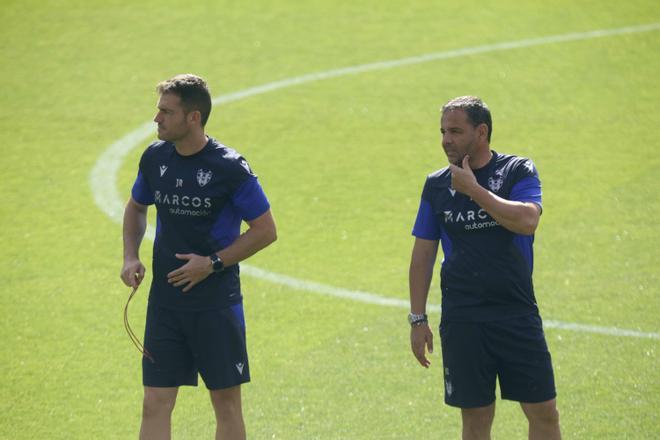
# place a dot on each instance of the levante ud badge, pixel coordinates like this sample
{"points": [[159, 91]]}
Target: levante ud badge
{"points": [[495, 183], [203, 177]]}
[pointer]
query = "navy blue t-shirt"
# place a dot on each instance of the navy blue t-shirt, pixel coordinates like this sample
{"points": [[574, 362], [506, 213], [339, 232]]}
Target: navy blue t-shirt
{"points": [[200, 202], [486, 273]]}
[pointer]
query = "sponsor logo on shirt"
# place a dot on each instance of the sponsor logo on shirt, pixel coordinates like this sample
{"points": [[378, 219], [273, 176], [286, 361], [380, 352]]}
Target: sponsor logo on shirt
{"points": [[185, 201], [452, 217], [184, 205], [476, 217]]}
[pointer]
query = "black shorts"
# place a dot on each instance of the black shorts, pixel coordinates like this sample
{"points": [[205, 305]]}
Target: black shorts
{"points": [[183, 343], [514, 350]]}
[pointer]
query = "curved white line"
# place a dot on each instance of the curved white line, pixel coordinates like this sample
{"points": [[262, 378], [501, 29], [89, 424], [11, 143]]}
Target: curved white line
{"points": [[106, 196]]}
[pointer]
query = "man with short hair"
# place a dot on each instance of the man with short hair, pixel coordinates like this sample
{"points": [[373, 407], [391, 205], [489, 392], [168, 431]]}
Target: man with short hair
{"points": [[202, 190], [484, 209]]}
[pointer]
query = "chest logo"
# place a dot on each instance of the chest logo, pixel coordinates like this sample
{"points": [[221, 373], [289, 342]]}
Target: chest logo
{"points": [[495, 183], [163, 168], [203, 177]]}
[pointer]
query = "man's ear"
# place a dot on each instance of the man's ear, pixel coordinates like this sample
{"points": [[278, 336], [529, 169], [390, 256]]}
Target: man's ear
{"points": [[195, 116], [483, 130]]}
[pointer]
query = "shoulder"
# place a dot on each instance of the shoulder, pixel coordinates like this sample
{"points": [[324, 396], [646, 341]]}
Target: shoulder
{"points": [[228, 159], [517, 165], [441, 177], [158, 147], [156, 150], [437, 183]]}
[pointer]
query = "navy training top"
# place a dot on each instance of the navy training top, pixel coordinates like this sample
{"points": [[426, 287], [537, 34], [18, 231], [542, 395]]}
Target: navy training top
{"points": [[486, 273], [200, 201]]}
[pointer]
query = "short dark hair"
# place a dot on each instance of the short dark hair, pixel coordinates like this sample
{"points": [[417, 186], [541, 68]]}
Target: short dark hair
{"points": [[193, 92], [476, 110]]}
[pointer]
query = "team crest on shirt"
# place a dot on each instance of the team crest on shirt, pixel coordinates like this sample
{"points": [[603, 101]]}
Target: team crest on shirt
{"points": [[495, 182], [203, 177]]}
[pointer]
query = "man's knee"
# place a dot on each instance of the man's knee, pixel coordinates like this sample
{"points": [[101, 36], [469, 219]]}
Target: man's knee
{"points": [[548, 417], [477, 421], [545, 413], [158, 401], [227, 403]]}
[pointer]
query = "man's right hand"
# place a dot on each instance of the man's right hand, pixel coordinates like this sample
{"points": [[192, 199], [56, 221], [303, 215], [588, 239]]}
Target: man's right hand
{"points": [[421, 337], [132, 273]]}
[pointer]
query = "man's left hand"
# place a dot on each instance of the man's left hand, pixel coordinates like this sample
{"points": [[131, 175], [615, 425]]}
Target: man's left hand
{"points": [[193, 272], [462, 179]]}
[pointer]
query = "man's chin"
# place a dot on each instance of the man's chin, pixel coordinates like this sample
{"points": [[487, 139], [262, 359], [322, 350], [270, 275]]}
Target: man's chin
{"points": [[455, 161]]}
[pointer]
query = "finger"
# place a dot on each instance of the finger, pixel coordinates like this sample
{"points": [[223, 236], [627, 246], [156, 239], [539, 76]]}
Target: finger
{"points": [[175, 273], [429, 342], [183, 256], [129, 279], [423, 361], [418, 351], [466, 162], [125, 279], [179, 283], [177, 278], [189, 286]]}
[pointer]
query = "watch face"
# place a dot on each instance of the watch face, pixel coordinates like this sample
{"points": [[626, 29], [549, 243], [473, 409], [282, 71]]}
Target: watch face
{"points": [[218, 266]]}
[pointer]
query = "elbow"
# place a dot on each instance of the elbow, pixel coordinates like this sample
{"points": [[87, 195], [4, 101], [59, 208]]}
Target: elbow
{"points": [[529, 221], [270, 236], [529, 226]]}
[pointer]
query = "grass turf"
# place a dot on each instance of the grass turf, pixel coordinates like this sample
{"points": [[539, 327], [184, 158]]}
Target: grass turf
{"points": [[343, 161]]}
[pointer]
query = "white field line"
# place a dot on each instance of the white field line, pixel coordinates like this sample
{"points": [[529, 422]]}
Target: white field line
{"points": [[107, 198]]}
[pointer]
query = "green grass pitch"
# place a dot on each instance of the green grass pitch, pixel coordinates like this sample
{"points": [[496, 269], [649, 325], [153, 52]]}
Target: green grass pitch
{"points": [[343, 161]]}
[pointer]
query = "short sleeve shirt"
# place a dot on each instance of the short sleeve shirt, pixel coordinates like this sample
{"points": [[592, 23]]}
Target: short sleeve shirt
{"points": [[486, 273], [201, 201]]}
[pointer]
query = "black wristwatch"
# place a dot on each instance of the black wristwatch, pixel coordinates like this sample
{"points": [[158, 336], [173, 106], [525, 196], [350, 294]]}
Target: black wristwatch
{"points": [[415, 319], [216, 262]]}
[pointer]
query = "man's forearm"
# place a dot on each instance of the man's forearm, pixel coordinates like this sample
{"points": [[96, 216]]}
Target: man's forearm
{"points": [[261, 233], [135, 225], [421, 273], [419, 282], [249, 243], [519, 217]]}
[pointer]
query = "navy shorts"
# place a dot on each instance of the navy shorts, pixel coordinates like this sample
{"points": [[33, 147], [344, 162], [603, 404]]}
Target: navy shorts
{"points": [[184, 343], [514, 351]]}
